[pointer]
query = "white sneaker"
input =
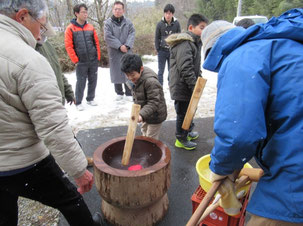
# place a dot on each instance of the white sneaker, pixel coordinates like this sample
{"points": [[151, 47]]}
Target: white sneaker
{"points": [[129, 98], [80, 107], [92, 103], [119, 97]]}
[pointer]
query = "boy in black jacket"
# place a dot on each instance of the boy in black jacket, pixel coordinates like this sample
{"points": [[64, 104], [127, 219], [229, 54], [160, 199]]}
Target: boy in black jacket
{"points": [[166, 26], [185, 59]]}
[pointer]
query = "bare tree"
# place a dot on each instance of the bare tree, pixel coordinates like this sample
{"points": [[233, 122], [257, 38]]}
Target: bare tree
{"points": [[69, 8], [125, 8], [101, 12], [57, 13], [157, 3]]}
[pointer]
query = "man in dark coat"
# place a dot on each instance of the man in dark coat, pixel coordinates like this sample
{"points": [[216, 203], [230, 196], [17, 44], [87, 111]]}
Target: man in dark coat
{"points": [[119, 35], [148, 92], [167, 26], [49, 52]]}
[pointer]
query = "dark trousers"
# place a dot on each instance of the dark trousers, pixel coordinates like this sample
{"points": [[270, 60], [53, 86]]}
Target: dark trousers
{"points": [[47, 184], [181, 108], [163, 57], [119, 90], [86, 71]]}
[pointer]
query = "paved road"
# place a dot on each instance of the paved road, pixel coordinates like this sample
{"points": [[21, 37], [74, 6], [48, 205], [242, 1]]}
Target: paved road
{"points": [[184, 179]]}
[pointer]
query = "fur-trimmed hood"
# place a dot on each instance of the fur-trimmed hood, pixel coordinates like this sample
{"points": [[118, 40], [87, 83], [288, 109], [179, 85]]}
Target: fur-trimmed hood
{"points": [[175, 39]]}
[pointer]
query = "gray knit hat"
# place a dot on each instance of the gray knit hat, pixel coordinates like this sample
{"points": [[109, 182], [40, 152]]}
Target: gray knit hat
{"points": [[213, 32]]}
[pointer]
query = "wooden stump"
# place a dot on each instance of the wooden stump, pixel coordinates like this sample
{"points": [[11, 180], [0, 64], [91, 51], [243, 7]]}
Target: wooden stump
{"points": [[133, 197]]}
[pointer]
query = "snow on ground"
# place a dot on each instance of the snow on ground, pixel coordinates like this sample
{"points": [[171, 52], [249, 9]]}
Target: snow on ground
{"points": [[110, 112]]}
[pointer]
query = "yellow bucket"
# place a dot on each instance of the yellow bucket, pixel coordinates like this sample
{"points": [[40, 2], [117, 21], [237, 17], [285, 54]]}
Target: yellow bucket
{"points": [[202, 167]]}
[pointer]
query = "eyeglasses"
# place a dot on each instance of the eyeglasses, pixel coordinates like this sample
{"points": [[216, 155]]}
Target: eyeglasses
{"points": [[118, 9], [43, 29]]}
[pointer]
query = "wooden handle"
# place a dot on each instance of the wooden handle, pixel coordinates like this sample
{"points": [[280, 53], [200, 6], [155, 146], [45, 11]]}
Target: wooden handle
{"points": [[254, 174], [130, 134], [205, 202], [208, 210], [193, 104]]}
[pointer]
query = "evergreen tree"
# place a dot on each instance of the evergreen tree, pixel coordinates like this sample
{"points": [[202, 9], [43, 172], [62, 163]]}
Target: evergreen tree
{"points": [[227, 9]]}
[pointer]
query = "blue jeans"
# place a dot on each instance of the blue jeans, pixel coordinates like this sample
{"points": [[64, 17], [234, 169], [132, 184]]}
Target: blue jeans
{"points": [[163, 56]]}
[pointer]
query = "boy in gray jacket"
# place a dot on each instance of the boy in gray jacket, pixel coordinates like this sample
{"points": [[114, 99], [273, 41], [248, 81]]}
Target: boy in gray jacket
{"points": [[147, 92]]}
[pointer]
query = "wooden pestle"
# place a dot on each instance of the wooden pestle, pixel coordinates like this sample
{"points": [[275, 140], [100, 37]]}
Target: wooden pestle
{"points": [[193, 104], [130, 134]]}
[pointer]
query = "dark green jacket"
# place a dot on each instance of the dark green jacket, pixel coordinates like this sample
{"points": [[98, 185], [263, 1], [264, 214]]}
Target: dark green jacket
{"points": [[49, 52], [185, 64], [148, 93]]}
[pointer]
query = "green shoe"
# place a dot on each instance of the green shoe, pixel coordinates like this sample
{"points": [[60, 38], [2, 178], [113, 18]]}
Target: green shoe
{"points": [[187, 145], [192, 135]]}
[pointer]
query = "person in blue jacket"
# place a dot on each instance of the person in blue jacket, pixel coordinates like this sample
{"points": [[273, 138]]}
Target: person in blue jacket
{"points": [[259, 110]]}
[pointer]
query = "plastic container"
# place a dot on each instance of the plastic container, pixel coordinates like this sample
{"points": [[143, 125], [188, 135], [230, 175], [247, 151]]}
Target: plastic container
{"points": [[202, 167], [218, 217]]}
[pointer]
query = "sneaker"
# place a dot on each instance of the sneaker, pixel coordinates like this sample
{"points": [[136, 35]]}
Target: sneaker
{"points": [[119, 97], [92, 103], [129, 98], [187, 145], [80, 107], [192, 135]]}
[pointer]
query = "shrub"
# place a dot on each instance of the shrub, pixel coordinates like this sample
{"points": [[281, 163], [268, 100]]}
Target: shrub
{"points": [[64, 60], [144, 44]]}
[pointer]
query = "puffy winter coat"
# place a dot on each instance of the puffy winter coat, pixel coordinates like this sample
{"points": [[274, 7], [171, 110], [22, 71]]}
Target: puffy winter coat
{"points": [[259, 111], [82, 43], [185, 64], [163, 30], [148, 92], [33, 120], [116, 35], [49, 52]]}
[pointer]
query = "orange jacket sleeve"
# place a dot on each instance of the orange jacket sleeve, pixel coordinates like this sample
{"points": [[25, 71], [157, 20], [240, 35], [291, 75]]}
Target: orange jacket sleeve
{"points": [[97, 44], [69, 45]]}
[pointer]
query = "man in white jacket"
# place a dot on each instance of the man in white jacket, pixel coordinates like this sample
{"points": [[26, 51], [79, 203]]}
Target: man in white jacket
{"points": [[34, 126]]}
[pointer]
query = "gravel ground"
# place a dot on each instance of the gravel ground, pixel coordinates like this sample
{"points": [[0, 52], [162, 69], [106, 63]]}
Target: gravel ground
{"points": [[32, 213]]}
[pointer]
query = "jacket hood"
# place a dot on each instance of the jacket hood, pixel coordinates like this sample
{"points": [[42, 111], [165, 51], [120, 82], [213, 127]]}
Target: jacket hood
{"points": [[149, 73], [287, 26], [177, 38], [12, 26], [74, 22]]}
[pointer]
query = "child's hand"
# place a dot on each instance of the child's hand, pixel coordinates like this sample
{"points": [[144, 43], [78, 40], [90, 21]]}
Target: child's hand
{"points": [[140, 119]]}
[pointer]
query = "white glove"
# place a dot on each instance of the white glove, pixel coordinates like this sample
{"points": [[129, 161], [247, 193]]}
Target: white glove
{"points": [[228, 201]]}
